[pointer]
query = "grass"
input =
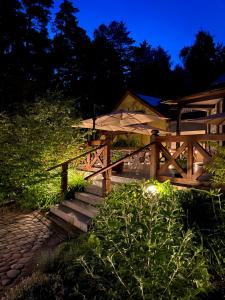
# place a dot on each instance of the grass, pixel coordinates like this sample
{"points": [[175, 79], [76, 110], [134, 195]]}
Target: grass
{"points": [[47, 193]]}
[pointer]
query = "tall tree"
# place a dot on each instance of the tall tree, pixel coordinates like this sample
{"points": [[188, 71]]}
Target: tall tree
{"points": [[199, 60], [11, 29], [150, 71], [37, 46], [117, 35], [107, 81], [71, 50]]}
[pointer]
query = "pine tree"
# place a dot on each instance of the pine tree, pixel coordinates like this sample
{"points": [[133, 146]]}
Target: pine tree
{"points": [[71, 50], [37, 52], [117, 35], [150, 70], [11, 29]]}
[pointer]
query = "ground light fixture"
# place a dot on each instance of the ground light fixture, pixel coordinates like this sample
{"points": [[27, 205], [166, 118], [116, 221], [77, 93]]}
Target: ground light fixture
{"points": [[152, 189]]}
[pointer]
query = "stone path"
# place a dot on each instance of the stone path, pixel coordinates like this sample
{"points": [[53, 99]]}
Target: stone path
{"points": [[21, 237]]}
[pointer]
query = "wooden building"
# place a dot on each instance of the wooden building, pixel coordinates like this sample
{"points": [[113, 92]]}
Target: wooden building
{"points": [[147, 104]]}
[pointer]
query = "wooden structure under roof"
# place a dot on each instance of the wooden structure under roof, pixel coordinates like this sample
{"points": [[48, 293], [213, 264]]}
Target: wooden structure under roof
{"points": [[210, 101]]}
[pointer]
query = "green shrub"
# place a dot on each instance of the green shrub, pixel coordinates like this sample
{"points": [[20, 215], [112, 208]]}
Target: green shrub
{"points": [[140, 239], [137, 249], [38, 286], [204, 212], [216, 166], [38, 137], [76, 183]]}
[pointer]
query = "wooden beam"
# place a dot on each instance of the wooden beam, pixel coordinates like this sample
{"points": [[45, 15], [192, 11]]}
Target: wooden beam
{"points": [[171, 160], [154, 160], [183, 181], [187, 138], [190, 160], [170, 157], [203, 106], [202, 151]]}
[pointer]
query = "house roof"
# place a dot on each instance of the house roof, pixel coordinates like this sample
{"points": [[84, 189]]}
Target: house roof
{"points": [[153, 101], [201, 99]]}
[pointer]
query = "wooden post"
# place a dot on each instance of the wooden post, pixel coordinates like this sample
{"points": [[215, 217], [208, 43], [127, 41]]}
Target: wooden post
{"points": [[178, 127], [64, 179], [154, 164], [106, 182], [190, 160], [88, 162]]}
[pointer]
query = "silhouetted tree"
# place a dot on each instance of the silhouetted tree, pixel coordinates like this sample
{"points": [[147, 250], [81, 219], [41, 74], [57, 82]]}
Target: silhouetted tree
{"points": [[107, 81], [11, 29], [37, 47], [71, 51], [117, 35], [199, 60], [150, 72]]}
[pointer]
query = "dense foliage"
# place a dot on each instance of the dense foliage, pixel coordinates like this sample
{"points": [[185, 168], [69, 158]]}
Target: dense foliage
{"points": [[40, 50], [32, 141], [216, 166], [139, 248]]}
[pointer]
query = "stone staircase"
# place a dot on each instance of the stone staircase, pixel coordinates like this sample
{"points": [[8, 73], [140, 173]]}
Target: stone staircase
{"points": [[80, 211]]}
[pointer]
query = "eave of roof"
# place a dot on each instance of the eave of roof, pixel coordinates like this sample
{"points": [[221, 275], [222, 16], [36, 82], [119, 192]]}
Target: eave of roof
{"points": [[208, 97]]}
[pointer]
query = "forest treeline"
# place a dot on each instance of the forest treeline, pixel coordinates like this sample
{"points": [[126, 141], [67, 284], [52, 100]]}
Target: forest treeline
{"points": [[41, 52]]}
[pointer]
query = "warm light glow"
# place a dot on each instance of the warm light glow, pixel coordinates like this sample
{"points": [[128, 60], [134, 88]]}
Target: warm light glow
{"points": [[152, 189]]}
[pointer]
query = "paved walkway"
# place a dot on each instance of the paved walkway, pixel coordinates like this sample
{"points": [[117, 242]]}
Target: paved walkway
{"points": [[21, 237]]}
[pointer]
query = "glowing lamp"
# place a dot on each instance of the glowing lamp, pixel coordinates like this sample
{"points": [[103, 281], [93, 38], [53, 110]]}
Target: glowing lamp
{"points": [[152, 189]]}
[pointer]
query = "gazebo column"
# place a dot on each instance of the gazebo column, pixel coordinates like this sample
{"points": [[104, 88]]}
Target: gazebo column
{"points": [[106, 182], [154, 161], [178, 125]]}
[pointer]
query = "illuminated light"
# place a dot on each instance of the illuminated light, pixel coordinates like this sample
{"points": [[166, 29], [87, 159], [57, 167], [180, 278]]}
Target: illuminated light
{"points": [[152, 189], [196, 152], [171, 167]]}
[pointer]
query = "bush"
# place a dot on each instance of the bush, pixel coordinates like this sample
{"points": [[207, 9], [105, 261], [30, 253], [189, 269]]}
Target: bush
{"points": [[38, 286], [205, 215], [137, 249], [38, 137], [139, 238], [216, 165]]}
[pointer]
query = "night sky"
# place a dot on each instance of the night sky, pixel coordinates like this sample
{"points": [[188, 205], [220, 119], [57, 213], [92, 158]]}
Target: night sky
{"points": [[171, 24]]}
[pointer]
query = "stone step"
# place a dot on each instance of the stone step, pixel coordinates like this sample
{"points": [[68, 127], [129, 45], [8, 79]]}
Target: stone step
{"points": [[88, 198], [63, 228], [75, 218], [94, 189], [122, 179], [81, 207]]}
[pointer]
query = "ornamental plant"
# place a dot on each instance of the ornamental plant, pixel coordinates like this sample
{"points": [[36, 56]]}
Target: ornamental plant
{"points": [[139, 238], [37, 137], [138, 248]]}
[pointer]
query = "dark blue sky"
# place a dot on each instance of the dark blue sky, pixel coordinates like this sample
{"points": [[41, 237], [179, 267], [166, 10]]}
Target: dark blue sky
{"points": [[169, 23]]}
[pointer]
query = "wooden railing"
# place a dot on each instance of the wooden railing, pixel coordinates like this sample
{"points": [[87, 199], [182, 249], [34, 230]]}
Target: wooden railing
{"points": [[107, 171], [97, 154], [189, 147], [161, 160]]}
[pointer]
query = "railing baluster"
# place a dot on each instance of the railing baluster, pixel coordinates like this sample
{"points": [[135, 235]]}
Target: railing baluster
{"points": [[190, 160]]}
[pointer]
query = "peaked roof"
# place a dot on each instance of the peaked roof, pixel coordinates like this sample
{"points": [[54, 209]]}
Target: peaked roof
{"points": [[153, 101], [162, 110], [156, 104]]}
